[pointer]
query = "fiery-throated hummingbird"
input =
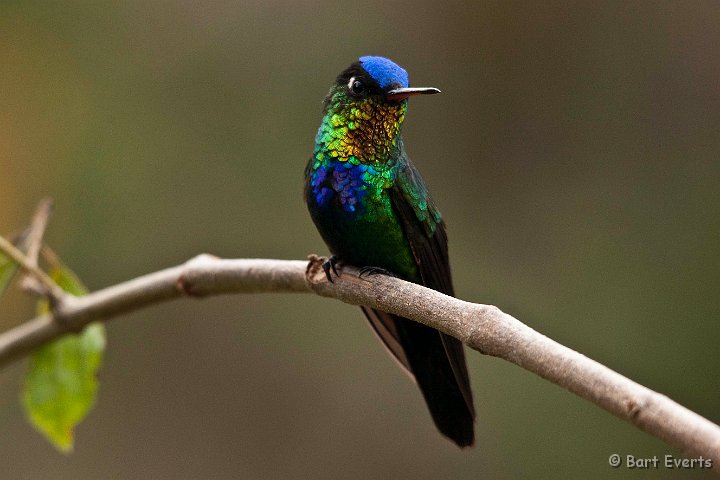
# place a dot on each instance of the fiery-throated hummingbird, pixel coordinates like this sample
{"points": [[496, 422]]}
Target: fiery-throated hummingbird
{"points": [[373, 210]]}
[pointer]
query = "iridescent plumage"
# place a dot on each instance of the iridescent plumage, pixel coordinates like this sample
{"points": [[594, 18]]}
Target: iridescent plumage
{"points": [[372, 209]]}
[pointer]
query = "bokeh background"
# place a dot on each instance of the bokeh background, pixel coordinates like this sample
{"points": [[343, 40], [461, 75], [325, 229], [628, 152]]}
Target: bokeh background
{"points": [[574, 154]]}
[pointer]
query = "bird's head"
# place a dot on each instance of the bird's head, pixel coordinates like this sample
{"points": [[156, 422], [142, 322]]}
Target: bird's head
{"points": [[364, 110]]}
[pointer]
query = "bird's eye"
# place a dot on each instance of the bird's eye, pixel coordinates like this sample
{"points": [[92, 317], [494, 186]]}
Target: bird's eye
{"points": [[356, 87]]}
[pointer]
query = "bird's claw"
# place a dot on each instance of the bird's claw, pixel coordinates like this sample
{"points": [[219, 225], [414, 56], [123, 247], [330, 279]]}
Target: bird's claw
{"points": [[328, 265], [367, 271]]}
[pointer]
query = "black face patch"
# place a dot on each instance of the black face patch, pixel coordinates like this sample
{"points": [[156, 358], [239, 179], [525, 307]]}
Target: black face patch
{"points": [[357, 72]]}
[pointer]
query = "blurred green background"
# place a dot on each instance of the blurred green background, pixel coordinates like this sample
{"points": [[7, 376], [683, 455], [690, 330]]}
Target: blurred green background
{"points": [[574, 154]]}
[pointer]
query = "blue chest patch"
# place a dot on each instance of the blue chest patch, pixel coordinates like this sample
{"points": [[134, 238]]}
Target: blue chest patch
{"points": [[342, 180], [385, 72]]}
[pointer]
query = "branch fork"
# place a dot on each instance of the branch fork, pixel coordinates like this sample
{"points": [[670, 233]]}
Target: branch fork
{"points": [[35, 281]]}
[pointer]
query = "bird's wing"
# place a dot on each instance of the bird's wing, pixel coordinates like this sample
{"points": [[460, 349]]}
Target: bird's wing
{"points": [[434, 360], [423, 228], [426, 235]]}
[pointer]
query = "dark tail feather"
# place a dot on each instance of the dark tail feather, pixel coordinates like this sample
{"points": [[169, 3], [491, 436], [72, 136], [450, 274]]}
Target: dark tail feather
{"points": [[436, 378], [437, 363]]}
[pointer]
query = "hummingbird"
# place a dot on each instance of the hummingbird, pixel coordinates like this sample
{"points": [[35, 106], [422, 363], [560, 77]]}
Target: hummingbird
{"points": [[373, 210]]}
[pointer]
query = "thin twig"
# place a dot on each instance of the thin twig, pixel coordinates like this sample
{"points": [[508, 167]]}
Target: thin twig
{"points": [[55, 293], [35, 236], [37, 228], [482, 327]]}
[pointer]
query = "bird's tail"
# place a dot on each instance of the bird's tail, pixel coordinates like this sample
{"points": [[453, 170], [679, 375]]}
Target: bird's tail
{"points": [[437, 363]]}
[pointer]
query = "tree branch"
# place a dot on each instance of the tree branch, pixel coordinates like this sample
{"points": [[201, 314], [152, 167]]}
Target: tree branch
{"points": [[482, 327]]}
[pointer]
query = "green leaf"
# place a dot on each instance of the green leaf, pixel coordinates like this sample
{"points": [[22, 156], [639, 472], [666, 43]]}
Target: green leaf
{"points": [[7, 272], [61, 385]]}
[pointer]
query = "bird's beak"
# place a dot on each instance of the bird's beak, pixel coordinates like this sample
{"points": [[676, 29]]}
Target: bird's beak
{"points": [[402, 93]]}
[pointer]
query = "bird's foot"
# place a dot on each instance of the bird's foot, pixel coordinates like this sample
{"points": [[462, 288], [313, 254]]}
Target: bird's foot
{"points": [[330, 264], [367, 271]]}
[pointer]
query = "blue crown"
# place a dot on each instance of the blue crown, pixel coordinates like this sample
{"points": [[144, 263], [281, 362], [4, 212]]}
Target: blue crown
{"points": [[385, 72]]}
